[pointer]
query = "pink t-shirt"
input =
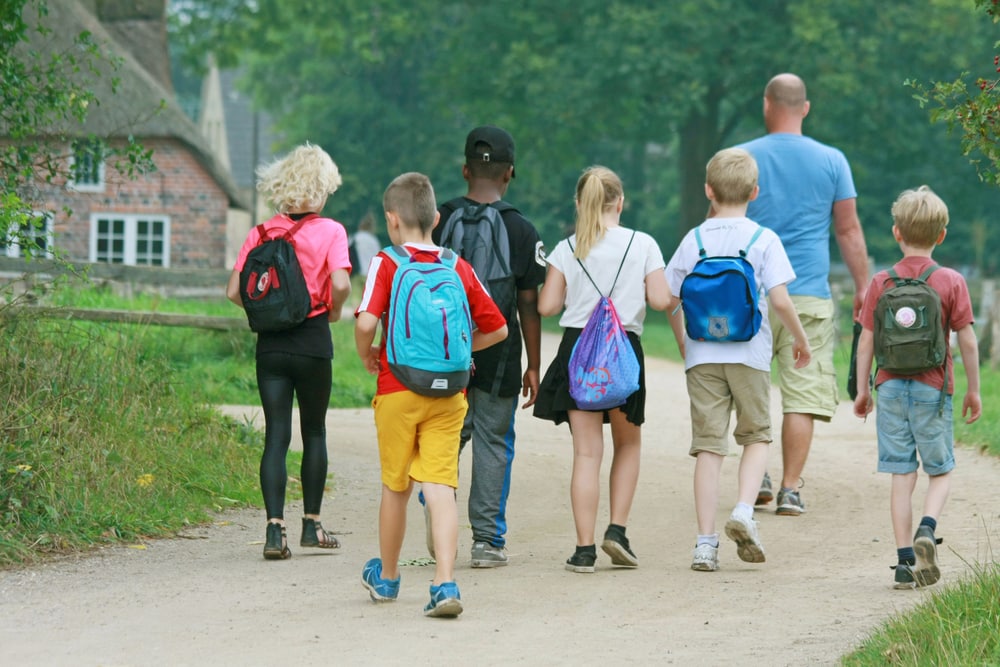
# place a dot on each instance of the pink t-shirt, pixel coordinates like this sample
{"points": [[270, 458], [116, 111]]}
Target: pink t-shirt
{"points": [[321, 248], [956, 311]]}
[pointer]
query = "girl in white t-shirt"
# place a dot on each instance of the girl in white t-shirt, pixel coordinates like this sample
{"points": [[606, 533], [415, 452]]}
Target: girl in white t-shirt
{"points": [[605, 249]]}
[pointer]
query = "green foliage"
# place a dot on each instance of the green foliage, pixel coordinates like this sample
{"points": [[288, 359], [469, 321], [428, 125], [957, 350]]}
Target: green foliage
{"points": [[973, 110], [958, 625], [99, 443]]}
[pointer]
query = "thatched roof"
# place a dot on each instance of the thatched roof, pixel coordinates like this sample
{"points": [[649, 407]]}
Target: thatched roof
{"points": [[141, 107]]}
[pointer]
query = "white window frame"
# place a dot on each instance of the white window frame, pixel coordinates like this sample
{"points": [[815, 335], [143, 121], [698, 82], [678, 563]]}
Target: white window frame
{"points": [[130, 238], [72, 184], [13, 249]]}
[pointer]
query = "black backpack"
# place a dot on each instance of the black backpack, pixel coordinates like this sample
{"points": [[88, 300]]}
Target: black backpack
{"points": [[478, 234], [272, 287]]}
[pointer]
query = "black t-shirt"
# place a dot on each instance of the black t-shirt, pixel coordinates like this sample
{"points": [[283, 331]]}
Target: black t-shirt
{"points": [[528, 267]]}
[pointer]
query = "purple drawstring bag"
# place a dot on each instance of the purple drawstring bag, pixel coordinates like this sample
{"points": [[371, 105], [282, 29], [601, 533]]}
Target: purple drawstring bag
{"points": [[603, 368]]}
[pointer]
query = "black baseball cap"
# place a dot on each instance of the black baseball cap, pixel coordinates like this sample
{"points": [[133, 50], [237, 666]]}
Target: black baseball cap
{"points": [[500, 145]]}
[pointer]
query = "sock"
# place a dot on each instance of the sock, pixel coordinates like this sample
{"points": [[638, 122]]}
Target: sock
{"points": [[711, 540], [786, 489], [906, 555], [590, 549], [743, 511], [614, 527], [929, 521]]}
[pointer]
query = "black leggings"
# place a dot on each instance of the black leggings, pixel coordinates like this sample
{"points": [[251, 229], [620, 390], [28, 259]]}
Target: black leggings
{"points": [[280, 376]]}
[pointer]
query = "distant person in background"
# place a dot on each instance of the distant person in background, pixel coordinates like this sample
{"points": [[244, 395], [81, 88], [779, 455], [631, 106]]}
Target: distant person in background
{"points": [[296, 363], [364, 245], [805, 186]]}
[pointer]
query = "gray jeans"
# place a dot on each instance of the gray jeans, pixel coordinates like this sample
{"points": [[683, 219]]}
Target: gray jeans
{"points": [[489, 423]]}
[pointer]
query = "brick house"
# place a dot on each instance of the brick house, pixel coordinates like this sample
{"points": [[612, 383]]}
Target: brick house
{"points": [[178, 216]]}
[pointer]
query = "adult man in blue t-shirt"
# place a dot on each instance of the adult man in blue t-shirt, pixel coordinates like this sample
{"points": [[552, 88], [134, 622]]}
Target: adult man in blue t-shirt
{"points": [[805, 186]]}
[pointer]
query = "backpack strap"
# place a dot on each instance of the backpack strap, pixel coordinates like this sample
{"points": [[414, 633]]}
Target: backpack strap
{"points": [[618, 273], [753, 239], [263, 232], [743, 253]]}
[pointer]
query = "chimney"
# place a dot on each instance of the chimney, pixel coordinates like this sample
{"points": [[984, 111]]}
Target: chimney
{"points": [[140, 26]]}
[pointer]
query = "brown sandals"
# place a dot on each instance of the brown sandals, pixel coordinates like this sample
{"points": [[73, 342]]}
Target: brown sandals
{"points": [[276, 544], [314, 535]]}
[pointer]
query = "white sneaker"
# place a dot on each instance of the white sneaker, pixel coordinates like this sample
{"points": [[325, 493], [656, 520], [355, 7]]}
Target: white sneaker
{"points": [[743, 531], [706, 558]]}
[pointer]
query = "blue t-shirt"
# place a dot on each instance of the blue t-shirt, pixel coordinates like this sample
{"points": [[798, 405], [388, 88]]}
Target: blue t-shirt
{"points": [[800, 179]]}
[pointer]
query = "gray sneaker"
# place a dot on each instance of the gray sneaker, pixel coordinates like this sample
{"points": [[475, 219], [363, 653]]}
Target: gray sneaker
{"points": [[926, 571], [744, 533], [487, 555], [790, 503], [706, 558], [766, 493]]}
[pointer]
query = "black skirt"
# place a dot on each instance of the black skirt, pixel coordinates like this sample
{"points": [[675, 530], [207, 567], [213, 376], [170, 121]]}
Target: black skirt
{"points": [[554, 402]]}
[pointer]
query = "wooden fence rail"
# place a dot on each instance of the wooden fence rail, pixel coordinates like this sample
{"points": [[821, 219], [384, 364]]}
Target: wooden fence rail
{"points": [[216, 323]]}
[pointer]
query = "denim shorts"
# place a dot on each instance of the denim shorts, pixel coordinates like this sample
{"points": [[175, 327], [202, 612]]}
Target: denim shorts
{"points": [[908, 424]]}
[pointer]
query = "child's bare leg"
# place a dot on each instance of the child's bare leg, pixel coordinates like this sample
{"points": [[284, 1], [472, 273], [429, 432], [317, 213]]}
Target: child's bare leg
{"points": [[584, 488], [900, 507], [440, 500], [753, 463], [627, 439], [392, 528], [707, 468], [938, 488]]}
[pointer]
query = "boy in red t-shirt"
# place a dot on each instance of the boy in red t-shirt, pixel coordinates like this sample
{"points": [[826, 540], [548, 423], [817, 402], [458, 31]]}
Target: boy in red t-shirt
{"points": [[909, 421], [418, 436]]}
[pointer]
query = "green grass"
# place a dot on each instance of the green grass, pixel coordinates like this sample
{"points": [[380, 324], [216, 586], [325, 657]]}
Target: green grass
{"points": [[99, 444], [958, 625], [217, 366]]}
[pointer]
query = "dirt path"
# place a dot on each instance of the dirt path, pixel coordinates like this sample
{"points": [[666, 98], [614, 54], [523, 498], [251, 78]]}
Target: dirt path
{"points": [[209, 597]]}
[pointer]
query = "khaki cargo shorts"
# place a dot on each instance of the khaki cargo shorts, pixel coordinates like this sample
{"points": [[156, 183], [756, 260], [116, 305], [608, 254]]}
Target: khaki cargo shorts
{"points": [[811, 390], [715, 390]]}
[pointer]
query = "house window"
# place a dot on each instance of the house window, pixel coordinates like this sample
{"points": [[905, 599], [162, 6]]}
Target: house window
{"points": [[142, 240], [87, 166], [38, 230]]}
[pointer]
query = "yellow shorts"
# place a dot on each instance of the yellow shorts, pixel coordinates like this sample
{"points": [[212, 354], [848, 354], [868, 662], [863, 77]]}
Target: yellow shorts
{"points": [[418, 438], [811, 390], [714, 390]]}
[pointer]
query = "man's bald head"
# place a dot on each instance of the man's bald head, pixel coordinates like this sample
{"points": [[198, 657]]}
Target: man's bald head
{"points": [[786, 90]]}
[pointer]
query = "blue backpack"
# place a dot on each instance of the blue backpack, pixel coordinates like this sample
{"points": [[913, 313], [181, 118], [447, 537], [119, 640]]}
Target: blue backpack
{"points": [[429, 336], [720, 297]]}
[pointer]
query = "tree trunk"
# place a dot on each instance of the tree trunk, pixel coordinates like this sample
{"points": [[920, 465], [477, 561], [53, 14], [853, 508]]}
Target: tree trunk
{"points": [[699, 141]]}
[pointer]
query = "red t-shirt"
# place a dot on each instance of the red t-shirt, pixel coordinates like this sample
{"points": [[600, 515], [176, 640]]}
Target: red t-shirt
{"points": [[956, 312], [486, 317], [320, 247]]}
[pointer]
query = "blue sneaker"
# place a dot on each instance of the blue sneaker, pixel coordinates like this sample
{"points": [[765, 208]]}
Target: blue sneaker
{"points": [[381, 590], [445, 600]]}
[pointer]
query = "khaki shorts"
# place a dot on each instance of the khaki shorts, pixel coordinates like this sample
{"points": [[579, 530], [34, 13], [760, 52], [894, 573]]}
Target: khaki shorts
{"points": [[811, 390], [714, 390], [418, 438]]}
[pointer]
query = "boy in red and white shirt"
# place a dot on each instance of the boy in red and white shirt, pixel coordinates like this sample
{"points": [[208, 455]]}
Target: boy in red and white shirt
{"points": [[418, 436]]}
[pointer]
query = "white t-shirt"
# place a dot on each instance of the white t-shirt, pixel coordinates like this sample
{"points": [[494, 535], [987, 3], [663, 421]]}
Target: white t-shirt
{"points": [[726, 237], [629, 296]]}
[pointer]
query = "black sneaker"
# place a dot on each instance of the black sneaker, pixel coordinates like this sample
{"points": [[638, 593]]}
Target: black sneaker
{"points": [[904, 577], [926, 571], [582, 561], [616, 545]]}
